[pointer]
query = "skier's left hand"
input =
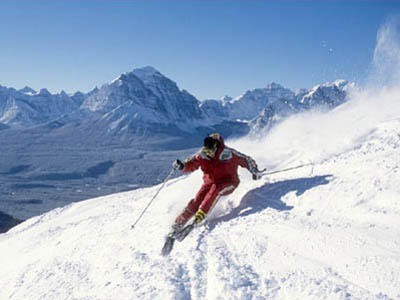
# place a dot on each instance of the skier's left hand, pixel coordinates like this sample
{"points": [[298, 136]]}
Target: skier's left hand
{"points": [[257, 174]]}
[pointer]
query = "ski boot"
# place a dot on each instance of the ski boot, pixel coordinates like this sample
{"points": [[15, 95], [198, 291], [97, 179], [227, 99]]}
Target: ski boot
{"points": [[170, 239], [184, 232]]}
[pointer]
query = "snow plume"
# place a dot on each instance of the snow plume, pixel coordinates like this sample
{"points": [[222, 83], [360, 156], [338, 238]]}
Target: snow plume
{"points": [[386, 60], [319, 135]]}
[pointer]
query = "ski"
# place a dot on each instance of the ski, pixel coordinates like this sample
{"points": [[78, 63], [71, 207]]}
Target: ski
{"points": [[179, 236], [168, 245]]}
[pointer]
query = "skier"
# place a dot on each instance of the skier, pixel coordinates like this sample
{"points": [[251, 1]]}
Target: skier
{"points": [[219, 164]]}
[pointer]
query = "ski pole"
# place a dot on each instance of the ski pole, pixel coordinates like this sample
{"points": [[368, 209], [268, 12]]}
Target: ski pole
{"points": [[154, 197], [288, 169]]}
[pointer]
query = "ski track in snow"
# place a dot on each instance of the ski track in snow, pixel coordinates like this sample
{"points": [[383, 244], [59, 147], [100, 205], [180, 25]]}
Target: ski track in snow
{"points": [[333, 234]]}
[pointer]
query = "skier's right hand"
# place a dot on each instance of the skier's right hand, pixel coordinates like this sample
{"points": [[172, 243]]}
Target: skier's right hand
{"points": [[178, 165]]}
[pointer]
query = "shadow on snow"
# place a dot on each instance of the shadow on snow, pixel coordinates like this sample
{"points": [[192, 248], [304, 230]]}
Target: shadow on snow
{"points": [[269, 195]]}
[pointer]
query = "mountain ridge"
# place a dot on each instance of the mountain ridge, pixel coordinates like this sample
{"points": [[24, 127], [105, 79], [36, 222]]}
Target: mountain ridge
{"points": [[146, 95]]}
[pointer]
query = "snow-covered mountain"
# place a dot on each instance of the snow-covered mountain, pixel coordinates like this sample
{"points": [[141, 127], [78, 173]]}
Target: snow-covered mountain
{"points": [[261, 106], [264, 120], [27, 91], [145, 98], [327, 94], [327, 232], [251, 103], [26, 107], [214, 109], [323, 96]]}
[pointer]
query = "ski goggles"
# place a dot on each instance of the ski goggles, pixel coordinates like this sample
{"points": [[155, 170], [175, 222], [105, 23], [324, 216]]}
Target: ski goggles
{"points": [[209, 152]]}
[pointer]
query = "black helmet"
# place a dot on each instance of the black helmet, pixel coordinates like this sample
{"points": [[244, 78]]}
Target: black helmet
{"points": [[211, 144], [212, 141]]}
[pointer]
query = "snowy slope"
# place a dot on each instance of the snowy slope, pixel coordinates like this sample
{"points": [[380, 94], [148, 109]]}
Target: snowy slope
{"points": [[331, 232]]}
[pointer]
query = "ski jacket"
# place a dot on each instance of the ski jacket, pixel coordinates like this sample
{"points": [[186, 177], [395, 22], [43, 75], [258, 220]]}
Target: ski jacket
{"points": [[223, 167]]}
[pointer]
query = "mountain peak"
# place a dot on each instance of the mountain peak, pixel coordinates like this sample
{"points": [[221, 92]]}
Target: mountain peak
{"points": [[226, 98], [274, 86], [147, 70], [27, 90], [145, 73], [44, 92], [78, 94], [63, 93], [340, 83]]}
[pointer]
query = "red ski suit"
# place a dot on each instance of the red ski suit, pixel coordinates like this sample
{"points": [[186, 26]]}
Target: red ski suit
{"points": [[220, 177]]}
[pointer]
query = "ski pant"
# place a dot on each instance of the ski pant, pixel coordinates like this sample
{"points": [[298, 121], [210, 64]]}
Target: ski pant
{"points": [[205, 199]]}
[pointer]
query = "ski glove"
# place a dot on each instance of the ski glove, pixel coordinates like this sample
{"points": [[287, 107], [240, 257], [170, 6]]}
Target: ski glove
{"points": [[257, 174], [178, 165]]}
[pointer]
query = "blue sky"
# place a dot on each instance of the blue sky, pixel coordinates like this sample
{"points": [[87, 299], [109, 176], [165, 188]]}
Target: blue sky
{"points": [[210, 48]]}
